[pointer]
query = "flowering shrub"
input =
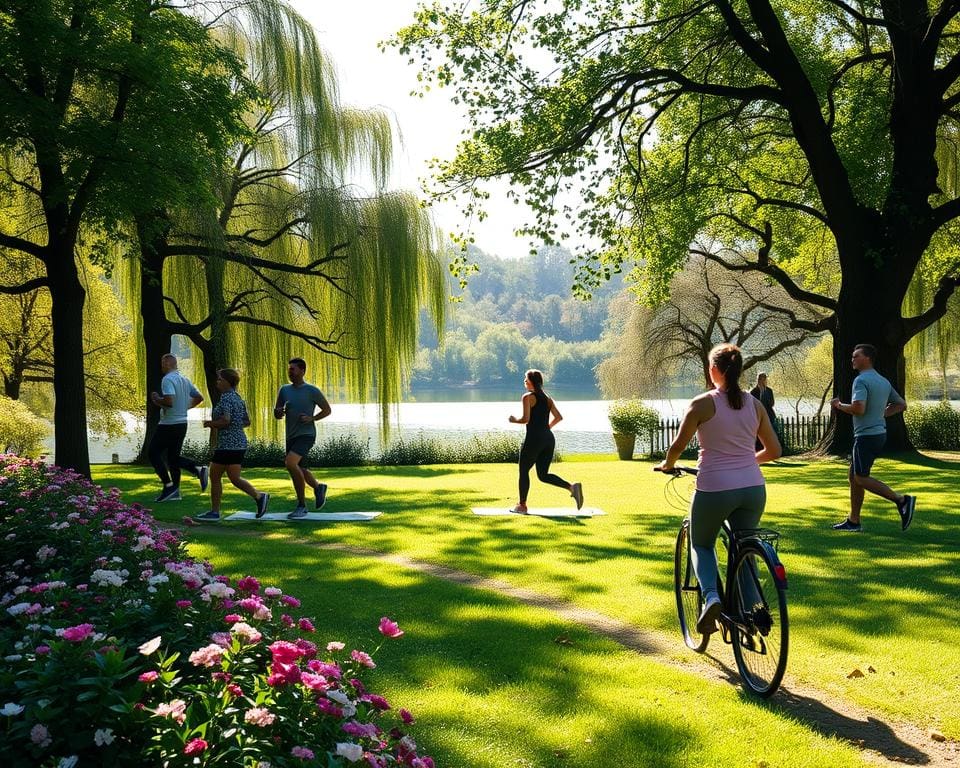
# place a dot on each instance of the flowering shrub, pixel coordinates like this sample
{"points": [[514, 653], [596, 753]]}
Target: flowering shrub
{"points": [[120, 650]]}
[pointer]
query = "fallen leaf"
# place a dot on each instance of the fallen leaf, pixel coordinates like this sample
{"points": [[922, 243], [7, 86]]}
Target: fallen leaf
{"points": [[855, 673], [937, 736], [563, 640], [871, 670]]}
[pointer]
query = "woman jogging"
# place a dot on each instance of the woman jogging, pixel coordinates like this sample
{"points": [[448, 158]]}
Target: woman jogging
{"points": [[730, 486], [539, 443], [230, 418]]}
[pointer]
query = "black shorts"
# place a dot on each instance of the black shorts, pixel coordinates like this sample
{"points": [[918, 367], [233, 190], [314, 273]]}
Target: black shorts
{"points": [[301, 446], [227, 457], [866, 450]]}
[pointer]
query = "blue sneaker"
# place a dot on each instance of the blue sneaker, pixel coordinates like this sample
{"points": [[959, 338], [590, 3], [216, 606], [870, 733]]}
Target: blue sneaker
{"points": [[847, 525], [208, 517], [169, 493]]}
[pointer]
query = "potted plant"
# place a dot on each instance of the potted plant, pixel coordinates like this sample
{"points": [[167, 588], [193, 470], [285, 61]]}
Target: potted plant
{"points": [[628, 418]]}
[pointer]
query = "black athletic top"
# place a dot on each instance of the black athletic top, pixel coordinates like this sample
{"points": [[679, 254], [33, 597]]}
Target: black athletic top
{"points": [[539, 414]]}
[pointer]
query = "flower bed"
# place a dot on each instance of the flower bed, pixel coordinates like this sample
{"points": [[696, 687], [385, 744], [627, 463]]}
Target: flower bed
{"points": [[120, 650]]}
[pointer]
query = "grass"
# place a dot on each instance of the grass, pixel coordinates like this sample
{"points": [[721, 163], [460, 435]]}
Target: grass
{"points": [[882, 600]]}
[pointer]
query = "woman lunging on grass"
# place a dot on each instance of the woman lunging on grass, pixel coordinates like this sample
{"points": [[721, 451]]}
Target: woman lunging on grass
{"points": [[230, 418], [539, 443], [728, 422]]}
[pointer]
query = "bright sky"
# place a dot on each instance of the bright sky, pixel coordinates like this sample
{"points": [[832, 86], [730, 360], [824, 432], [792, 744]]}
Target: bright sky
{"points": [[430, 127]]}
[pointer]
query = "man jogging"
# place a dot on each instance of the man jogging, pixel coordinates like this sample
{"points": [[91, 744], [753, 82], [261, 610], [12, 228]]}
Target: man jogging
{"points": [[177, 395], [874, 400], [298, 402]]}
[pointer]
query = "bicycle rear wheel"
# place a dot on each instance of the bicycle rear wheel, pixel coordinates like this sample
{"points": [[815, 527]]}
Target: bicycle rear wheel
{"points": [[687, 589], [760, 625]]}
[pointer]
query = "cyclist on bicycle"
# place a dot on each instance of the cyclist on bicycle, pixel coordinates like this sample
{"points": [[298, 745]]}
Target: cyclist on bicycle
{"points": [[730, 486]]}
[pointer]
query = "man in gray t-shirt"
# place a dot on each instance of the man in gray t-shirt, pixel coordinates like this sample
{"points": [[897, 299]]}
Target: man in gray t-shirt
{"points": [[874, 400], [298, 402]]}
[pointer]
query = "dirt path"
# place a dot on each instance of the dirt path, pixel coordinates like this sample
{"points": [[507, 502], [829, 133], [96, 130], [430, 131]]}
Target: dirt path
{"points": [[882, 741]]}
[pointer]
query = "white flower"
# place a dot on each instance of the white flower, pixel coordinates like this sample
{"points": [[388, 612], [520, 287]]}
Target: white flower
{"points": [[151, 645], [68, 762], [16, 610], [160, 578], [338, 696], [352, 752], [103, 578], [10, 709], [13, 657], [143, 542], [216, 589], [103, 736]]}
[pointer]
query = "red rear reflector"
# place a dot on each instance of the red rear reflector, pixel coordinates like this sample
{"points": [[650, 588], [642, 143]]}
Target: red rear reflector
{"points": [[781, 572]]}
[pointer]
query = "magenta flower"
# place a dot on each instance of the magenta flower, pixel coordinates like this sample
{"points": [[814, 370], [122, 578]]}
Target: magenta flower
{"points": [[290, 600], [362, 658], [148, 677], [377, 702], [232, 618], [42, 650], [184, 603], [195, 747], [406, 716], [284, 652], [389, 628], [248, 584], [78, 633], [302, 752], [306, 625]]}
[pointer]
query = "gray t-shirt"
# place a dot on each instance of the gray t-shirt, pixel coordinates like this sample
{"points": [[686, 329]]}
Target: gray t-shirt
{"points": [[302, 399], [876, 392], [180, 388], [232, 436]]}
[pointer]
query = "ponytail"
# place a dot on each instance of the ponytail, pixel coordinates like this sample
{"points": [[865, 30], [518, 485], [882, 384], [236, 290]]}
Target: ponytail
{"points": [[729, 361], [536, 378]]}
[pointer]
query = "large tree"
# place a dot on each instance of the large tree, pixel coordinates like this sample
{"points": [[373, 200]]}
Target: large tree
{"points": [[761, 126], [293, 257], [107, 108]]}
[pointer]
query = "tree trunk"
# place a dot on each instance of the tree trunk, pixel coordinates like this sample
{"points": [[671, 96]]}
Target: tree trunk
{"points": [[156, 330], [70, 408], [11, 386]]}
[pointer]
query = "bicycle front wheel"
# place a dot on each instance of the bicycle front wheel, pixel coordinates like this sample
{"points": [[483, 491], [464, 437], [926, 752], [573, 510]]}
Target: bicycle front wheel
{"points": [[760, 626], [687, 589]]}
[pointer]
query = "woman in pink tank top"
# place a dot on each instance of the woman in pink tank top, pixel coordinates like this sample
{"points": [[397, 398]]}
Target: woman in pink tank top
{"points": [[728, 422]]}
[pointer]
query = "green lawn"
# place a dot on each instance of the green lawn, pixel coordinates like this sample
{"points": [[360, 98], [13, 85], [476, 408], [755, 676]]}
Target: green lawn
{"points": [[493, 687]]}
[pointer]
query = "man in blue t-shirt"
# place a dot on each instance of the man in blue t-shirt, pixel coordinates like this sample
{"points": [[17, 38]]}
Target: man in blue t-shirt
{"points": [[874, 400], [298, 403], [177, 395]]}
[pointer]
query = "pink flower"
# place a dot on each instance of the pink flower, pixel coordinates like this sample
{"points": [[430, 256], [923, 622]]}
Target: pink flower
{"points": [[78, 633], [314, 682], [184, 603], [377, 702], [42, 650], [302, 752], [232, 618], [329, 708], [290, 600], [234, 690], [286, 619], [389, 628], [195, 747], [148, 677], [208, 656], [259, 716], [363, 730], [335, 645], [406, 716], [40, 736], [306, 625], [362, 658], [272, 592], [284, 652], [176, 709], [248, 584]]}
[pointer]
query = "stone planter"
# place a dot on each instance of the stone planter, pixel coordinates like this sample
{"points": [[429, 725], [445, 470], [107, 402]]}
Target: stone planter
{"points": [[625, 445]]}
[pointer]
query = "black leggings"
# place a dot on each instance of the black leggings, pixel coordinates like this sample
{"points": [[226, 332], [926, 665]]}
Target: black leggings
{"points": [[164, 453], [538, 449]]}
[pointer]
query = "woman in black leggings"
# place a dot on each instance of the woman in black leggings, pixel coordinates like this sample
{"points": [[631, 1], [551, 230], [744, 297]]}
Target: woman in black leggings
{"points": [[539, 443]]}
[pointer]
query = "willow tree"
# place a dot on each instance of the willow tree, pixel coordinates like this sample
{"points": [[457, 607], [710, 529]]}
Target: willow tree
{"points": [[293, 259], [746, 122], [106, 108]]}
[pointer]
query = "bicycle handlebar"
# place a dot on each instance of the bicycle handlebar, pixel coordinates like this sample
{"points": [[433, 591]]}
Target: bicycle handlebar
{"points": [[676, 471]]}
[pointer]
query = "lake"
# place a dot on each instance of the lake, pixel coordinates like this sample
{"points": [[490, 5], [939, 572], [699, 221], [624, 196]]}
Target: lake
{"points": [[584, 428]]}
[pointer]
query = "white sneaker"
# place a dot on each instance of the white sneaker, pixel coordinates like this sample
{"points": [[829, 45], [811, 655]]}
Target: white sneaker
{"points": [[577, 492]]}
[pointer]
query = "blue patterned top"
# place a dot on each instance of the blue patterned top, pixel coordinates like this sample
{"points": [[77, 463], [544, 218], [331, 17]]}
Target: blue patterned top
{"points": [[231, 437]]}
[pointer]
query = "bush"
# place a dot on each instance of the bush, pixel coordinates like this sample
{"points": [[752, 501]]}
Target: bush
{"points": [[341, 451], [486, 449], [121, 651], [632, 417], [936, 427], [21, 431]]}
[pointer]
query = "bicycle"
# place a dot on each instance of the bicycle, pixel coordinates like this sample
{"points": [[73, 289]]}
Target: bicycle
{"points": [[753, 617]]}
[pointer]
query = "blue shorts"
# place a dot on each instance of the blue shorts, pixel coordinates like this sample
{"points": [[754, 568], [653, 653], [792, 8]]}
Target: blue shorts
{"points": [[301, 446], [866, 450]]}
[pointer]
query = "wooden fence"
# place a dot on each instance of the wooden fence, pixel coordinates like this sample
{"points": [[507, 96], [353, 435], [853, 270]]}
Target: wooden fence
{"points": [[797, 434]]}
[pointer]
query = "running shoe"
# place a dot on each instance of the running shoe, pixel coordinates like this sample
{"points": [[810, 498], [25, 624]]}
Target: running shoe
{"points": [[906, 509], [203, 475], [321, 494], [707, 623], [208, 517], [298, 514], [262, 503], [848, 525], [577, 492], [169, 493]]}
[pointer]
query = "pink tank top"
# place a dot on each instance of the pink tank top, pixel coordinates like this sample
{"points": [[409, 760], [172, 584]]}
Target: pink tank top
{"points": [[728, 446]]}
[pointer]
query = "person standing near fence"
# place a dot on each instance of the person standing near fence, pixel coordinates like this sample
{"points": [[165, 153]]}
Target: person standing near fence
{"points": [[177, 395], [229, 418], [874, 400], [539, 442], [764, 394], [298, 402]]}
